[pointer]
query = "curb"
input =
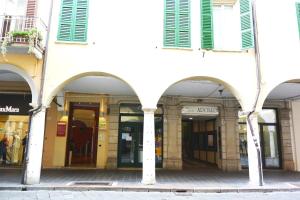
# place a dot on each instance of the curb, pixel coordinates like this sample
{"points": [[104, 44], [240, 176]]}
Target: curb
{"points": [[152, 189]]}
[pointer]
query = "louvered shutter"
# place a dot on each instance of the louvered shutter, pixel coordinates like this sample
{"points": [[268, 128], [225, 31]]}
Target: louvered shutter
{"points": [[66, 20], [207, 33], [246, 24], [169, 24], [81, 20], [31, 8], [184, 36], [298, 15], [30, 14]]}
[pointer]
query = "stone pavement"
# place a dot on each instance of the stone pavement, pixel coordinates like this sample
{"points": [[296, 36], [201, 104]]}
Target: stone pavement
{"points": [[106, 195], [203, 180]]}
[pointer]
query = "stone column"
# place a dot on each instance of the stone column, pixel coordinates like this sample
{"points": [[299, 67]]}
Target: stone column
{"points": [[286, 139], [230, 137], [253, 157], [35, 148], [172, 137], [149, 147], [113, 123]]}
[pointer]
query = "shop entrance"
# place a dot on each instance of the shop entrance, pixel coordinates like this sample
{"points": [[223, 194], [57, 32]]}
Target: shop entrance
{"points": [[130, 143], [82, 134], [199, 142]]}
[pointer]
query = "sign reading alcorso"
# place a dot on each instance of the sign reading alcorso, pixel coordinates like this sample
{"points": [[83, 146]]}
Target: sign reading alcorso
{"points": [[200, 110]]}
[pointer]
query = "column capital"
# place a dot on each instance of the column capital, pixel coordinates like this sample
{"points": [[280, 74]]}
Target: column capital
{"points": [[149, 110]]}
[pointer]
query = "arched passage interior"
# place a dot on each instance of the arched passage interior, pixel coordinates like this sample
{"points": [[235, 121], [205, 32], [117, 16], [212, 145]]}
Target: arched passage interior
{"points": [[200, 125]]}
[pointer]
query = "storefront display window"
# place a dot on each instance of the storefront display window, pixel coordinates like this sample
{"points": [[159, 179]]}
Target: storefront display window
{"points": [[130, 150], [14, 121], [13, 133], [269, 138]]}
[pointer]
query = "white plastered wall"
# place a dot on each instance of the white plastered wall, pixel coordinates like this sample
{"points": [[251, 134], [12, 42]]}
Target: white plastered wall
{"points": [[127, 43]]}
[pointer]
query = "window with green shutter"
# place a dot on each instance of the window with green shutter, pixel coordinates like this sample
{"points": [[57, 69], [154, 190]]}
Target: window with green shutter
{"points": [[73, 21], [246, 24], [207, 32], [177, 31], [298, 15]]}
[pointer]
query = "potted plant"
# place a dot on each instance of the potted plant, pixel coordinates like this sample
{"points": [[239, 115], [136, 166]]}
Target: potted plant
{"points": [[32, 37]]}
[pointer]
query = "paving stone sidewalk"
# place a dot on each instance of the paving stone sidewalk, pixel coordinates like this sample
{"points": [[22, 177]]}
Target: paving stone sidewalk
{"points": [[130, 180]]}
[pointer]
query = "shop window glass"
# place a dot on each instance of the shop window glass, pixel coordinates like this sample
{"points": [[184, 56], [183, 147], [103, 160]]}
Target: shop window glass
{"points": [[267, 116], [268, 137], [137, 109], [13, 135], [264, 116]]}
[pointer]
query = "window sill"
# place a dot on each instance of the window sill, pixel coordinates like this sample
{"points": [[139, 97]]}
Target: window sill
{"points": [[229, 50], [70, 42], [178, 48]]}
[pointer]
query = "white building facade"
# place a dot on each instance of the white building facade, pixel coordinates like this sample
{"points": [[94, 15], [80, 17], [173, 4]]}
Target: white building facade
{"points": [[160, 84]]}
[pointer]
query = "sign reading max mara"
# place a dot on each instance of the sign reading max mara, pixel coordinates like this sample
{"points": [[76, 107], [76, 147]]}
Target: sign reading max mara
{"points": [[14, 104], [200, 110]]}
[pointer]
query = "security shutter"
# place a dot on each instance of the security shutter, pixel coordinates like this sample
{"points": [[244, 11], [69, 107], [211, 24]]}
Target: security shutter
{"points": [[207, 32], [298, 15], [177, 23], [246, 24], [73, 20]]}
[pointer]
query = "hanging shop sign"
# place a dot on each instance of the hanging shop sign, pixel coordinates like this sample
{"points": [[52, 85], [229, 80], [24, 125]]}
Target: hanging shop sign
{"points": [[200, 110], [15, 104]]}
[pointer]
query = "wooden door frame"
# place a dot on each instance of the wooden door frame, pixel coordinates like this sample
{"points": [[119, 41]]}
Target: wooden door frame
{"points": [[84, 106]]}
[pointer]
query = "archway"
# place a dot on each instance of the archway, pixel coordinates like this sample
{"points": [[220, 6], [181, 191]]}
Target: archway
{"points": [[95, 122], [17, 93], [200, 125], [279, 129]]}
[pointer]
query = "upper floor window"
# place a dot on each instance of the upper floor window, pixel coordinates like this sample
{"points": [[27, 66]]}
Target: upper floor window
{"points": [[177, 30], [73, 20], [219, 25]]}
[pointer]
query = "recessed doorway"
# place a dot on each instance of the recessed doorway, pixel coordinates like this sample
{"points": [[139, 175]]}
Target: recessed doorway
{"points": [[199, 142], [82, 135]]}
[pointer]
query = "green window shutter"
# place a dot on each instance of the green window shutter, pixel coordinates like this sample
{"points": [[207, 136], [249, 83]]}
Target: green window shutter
{"points": [[81, 21], [184, 33], [73, 21], [298, 15], [207, 31], [170, 25], [177, 23], [246, 24], [66, 20]]}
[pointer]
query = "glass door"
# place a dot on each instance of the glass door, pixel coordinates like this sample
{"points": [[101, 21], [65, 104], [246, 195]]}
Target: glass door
{"points": [[82, 135], [270, 145], [130, 144]]}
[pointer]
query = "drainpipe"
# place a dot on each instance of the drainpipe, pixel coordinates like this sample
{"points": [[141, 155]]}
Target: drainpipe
{"points": [[258, 76], [38, 109]]}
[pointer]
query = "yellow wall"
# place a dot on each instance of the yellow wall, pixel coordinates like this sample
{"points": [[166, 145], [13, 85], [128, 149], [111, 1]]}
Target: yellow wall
{"points": [[30, 64], [50, 132]]}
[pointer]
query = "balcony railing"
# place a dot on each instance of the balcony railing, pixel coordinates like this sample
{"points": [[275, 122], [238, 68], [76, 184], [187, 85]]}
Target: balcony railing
{"points": [[22, 30]]}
